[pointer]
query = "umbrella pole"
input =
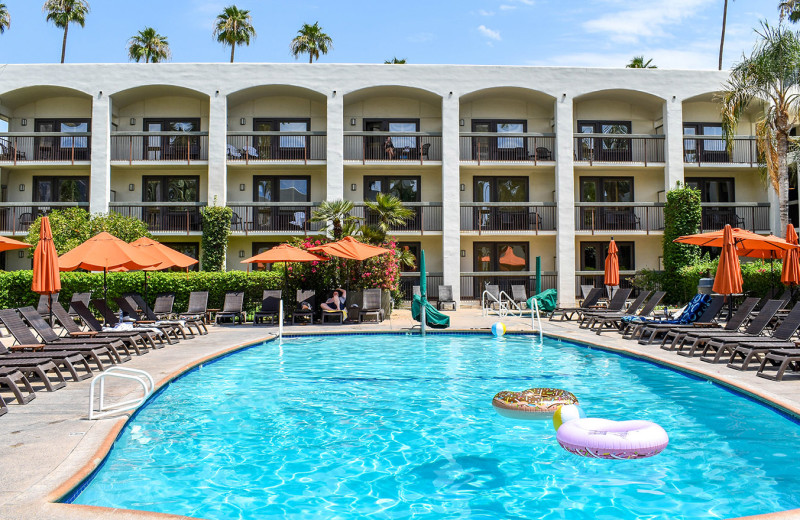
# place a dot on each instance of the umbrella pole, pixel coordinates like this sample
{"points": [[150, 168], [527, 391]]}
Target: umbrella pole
{"points": [[50, 307], [145, 286]]}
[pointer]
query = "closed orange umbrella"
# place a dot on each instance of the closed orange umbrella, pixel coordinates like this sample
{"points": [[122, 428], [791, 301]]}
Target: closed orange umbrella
{"points": [[728, 279], [46, 277], [8, 244], [612, 264], [790, 275]]}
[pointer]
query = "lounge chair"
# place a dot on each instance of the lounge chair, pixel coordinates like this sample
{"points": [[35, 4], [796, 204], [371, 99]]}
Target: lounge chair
{"points": [[372, 305], [445, 297], [566, 313], [128, 305], [11, 379], [83, 297], [111, 320], [198, 307], [674, 338], [36, 369], [702, 308], [751, 349], [43, 307], [305, 306], [781, 361], [270, 307], [616, 321], [162, 307], [585, 290], [94, 325], [597, 316], [142, 338], [232, 308], [616, 304], [181, 325], [519, 295], [494, 292]]}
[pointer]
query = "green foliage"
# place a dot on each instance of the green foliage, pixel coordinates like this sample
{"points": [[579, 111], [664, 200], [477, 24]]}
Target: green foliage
{"points": [[15, 286], [312, 41], [216, 230], [148, 46], [638, 63], [758, 276], [336, 216], [682, 214], [233, 27], [390, 211], [73, 226]]}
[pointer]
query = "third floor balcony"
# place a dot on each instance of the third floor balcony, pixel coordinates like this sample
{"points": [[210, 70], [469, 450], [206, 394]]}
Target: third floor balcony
{"points": [[45, 147], [486, 218], [159, 147], [506, 148], [702, 150], [276, 147], [591, 148], [393, 147]]}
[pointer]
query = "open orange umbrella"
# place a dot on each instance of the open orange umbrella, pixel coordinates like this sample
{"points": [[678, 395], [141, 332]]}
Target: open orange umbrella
{"points": [[167, 256], [743, 240], [283, 253], [351, 249], [46, 277], [790, 275], [8, 244], [103, 252], [728, 279], [612, 264]]}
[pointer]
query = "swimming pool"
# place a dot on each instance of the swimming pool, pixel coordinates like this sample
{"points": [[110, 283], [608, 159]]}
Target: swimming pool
{"points": [[402, 426]]}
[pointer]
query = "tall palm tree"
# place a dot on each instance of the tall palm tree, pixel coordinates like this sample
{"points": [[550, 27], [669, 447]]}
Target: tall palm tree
{"points": [[336, 215], [234, 27], [390, 212], [64, 12], [312, 41], [790, 9], [638, 63], [395, 61], [722, 38], [148, 46], [5, 18], [771, 73]]}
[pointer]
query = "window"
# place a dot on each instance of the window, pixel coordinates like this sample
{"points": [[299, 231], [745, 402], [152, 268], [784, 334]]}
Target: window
{"points": [[405, 188], [171, 188], [62, 148], [172, 147], [501, 256], [499, 148], [281, 147], [593, 256], [704, 150], [61, 189], [286, 189], [604, 149], [405, 146], [187, 248], [713, 189], [607, 189], [413, 248], [500, 189]]}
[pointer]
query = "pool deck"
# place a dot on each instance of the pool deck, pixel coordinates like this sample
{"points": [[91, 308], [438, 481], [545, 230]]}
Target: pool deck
{"points": [[49, 445]]}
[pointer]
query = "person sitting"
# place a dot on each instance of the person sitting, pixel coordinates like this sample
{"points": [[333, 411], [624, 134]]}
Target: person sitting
{"points": [[335, 302], [388, 148]]}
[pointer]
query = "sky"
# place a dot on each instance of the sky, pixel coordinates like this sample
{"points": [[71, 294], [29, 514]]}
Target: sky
{"points": [[676, 34]]}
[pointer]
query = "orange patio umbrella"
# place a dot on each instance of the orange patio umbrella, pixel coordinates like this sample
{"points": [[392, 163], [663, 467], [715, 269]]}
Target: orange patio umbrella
{"points": [[744, 241], [46, 277], [8, 244], [790, 274], [283, 253], [728, 279], [104, 252], [612, 264], [167, 256], [350, 249]]}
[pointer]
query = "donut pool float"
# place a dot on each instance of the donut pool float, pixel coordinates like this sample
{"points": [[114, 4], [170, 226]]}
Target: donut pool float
{"points": [[606, 439], [535, 403]]}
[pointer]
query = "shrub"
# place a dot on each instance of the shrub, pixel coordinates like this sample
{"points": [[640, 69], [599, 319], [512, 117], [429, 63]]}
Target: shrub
{"points": [[216, 230], [682, 214], [756, 276]]}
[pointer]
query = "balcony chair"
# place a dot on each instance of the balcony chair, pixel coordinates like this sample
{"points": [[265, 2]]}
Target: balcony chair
{"points": [[543, 154], [7, 153], [233, 152], [25, 221], [249, 151], [237, 224], [426, 148]]}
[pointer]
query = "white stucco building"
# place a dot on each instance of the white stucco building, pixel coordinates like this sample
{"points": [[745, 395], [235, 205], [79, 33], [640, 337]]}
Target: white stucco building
{"points": [[501, 164]]}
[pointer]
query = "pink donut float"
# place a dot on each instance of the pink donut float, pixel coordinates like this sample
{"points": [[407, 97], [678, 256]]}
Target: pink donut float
{"points": [[605, 439]]}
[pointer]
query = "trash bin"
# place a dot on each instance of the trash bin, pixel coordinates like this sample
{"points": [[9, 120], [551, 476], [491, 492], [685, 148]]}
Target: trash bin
{"points": [[705, 285]]}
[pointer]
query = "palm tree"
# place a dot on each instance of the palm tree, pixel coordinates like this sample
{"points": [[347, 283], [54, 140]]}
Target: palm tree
{"points": [[638, 63], [149, 46], [337, 218], [390, 211], [64, 12], [312, 41], [722, 38], [771, 73], [395, 61], [5, 18], [790, 9], [234, 27]]}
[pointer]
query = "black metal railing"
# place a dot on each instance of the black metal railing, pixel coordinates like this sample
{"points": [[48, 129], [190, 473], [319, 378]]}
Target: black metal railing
{"points": [[135, 147], [699, 149], [172, 217], [427, 216], [619, 216], [506, 217], [247, 147], [753, 216], [39, 147], [409, 280], [473, 284], [619, 148], [17, 217], [495, 147], [268, 217], [405, 147]]}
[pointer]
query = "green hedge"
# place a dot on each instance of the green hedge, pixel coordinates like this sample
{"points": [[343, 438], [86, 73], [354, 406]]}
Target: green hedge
{"points": [[756, 276], [15, 286]]}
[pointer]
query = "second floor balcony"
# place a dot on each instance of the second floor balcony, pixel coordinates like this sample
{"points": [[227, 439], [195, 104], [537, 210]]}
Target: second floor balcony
{"points": [[711, 150], [280, 147], [508, 217], [44, 147], [392, 148], [513, 148], [618, 149], [17, 217], [163, 217], [148, 147], [273, 217], [427, 216]]}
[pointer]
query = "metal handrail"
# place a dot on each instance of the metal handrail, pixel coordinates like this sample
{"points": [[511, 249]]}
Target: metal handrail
{"points": [[535, 317], [144, 379]]}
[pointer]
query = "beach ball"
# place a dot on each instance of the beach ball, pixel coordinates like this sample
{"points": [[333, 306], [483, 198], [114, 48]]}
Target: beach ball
{"points": [[567, 413], [498, 329]]}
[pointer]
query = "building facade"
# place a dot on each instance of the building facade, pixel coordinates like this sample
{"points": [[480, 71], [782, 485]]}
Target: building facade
{"points": [[500, 164]]}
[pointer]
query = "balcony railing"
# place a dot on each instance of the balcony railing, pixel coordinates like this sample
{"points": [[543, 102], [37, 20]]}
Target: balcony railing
{"points": [[409, 280], [508, 217], [493, 147], [619, 216], [17, 217], [473, 284], [619, 148], [40, 147], [700, 149], [273, 217], [171, 217], [407, 147], [134, 147], [427, 217], [300, 147], [753, 216]]}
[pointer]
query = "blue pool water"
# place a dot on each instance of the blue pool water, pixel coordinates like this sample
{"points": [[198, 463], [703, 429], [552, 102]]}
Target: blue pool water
{"points": [[400, 427]]}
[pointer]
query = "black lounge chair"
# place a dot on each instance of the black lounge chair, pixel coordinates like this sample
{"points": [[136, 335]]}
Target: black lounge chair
{"points": [[162, 307], [616, 304], [567, 313], [616, 322], [127, 307], [747, 351], [232, 308], [12, 379], [181, 326], [43, 307], [781, 361], [648, 333], [111, 320], [141, 338], [82, 297], [674, 338], [445, 297], [270, 307], [592, 317], [725, 345], [372, 305], [305, 306], [198, 308], [94, 325], [36, 369]]}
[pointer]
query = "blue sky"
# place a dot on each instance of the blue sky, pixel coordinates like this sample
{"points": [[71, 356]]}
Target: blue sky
{"points": [[599, 33]]}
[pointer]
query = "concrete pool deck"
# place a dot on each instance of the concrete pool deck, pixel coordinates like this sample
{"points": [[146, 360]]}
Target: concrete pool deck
{"points": [[49, 445]]}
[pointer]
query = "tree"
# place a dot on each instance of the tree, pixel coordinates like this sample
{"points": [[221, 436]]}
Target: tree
{"points": [[64, 12], [5, 19], [148, 46], [790, 9], [312, 41], [336, 216], [216, 223], [682, 214], [234, 27], [771, 73], [638, 63], [390, 211], [395, 61]]}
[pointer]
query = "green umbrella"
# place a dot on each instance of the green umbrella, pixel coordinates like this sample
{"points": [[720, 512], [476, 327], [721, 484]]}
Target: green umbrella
{"points": [[423, 279], [538, 274]]}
